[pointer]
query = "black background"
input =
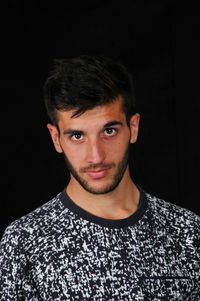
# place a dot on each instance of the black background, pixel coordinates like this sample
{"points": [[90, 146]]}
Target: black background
{"points": [[158, 41]]}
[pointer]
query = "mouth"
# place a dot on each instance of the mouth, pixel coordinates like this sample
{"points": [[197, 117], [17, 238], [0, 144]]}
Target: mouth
{"points": [[98, 173]]}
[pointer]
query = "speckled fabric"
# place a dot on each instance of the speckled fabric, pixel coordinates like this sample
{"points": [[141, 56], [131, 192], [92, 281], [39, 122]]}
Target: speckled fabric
{"points": [[60, 252]]}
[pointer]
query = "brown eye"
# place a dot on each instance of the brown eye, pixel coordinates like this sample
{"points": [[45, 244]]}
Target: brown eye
{"points": [[77, 136], [110, 132]]}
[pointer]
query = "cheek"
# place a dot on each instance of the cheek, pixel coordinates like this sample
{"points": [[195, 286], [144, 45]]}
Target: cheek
{"points": [[121, 146], [117, 152], [121, 151], [74, 155]]}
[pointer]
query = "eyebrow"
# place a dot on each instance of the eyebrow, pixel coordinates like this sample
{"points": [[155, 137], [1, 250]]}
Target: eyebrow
{"points": [[71, 131], [111, 123], [108, 124]]}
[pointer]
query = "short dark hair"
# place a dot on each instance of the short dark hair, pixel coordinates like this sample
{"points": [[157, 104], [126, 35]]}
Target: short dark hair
{"points": [[85, 82]]}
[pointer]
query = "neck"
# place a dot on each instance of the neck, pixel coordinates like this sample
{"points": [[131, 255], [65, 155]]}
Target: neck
{"points": [[117, 204]]}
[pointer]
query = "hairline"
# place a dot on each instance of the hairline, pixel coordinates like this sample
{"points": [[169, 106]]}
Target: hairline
{"points": [[75, 115]]}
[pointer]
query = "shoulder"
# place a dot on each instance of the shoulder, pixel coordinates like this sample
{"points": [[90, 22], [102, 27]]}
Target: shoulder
{"points": [[36, 223], [172, 212], [175, 219]]}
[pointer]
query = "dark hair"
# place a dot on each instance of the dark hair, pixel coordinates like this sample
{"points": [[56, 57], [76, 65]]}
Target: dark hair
{"points": [[85, 82]]}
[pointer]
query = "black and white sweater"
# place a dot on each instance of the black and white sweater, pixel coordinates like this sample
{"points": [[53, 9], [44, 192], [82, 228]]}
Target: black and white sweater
{"points": [[60, 252]]}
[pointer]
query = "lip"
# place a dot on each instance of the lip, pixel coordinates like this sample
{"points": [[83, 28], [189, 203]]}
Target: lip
{"points": [[97, 174]]}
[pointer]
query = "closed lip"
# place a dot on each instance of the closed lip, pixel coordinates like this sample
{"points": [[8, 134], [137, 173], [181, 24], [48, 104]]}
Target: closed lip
{"points": [[97, 170], [98, 173]]}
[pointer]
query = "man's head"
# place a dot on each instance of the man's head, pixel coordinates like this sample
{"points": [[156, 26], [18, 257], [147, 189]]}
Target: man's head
{"points": [[91, 105]]}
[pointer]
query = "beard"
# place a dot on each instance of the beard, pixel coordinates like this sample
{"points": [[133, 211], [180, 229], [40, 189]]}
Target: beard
{"points": [[116, 179]]}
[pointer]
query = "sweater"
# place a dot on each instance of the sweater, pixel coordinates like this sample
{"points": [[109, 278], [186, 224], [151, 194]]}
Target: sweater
{"points": [[61, 252]]}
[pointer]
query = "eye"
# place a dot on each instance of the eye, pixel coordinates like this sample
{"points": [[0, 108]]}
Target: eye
{"points": [[110, 132], [76, 136]]}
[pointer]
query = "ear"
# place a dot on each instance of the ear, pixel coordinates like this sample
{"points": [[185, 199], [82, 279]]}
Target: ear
{"points": [[134, 126], [55, 137]]}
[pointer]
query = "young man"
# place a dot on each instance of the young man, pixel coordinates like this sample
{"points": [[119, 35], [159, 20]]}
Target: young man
{"points": [[102, 238]]}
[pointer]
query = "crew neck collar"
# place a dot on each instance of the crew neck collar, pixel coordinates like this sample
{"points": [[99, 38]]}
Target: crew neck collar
{"points": [[110, 223]]}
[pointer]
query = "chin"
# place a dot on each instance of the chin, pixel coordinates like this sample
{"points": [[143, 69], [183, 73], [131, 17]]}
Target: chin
{"points": [[100, 189]]}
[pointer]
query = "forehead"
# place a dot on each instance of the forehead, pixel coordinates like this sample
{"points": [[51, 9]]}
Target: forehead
{"points": [[97, 116]]}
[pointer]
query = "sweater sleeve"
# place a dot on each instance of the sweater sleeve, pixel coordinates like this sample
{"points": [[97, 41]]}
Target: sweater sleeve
{"points": [[12, 263]]}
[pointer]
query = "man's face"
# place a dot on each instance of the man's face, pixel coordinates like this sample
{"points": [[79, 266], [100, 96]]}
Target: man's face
{"points": [[96, 145]]}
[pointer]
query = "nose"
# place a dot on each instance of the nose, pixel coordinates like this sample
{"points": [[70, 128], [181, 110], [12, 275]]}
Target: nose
{"points": [[95, 152]]}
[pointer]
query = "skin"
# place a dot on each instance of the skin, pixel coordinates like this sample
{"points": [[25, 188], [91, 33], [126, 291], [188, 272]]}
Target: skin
{"points": [[96, 152]]}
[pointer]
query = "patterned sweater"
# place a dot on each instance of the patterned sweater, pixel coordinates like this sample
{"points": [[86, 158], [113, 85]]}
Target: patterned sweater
{"points": [[61, 252]]}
